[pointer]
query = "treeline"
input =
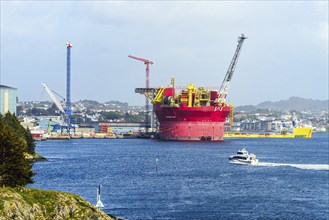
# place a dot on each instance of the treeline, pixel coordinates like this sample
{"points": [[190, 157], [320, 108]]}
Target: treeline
{"points": [[38, 111], [16, 145], [106, 116]]}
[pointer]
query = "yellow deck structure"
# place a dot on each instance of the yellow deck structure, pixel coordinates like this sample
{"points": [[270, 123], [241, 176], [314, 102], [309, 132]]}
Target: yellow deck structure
{"points": [[298, 133]]}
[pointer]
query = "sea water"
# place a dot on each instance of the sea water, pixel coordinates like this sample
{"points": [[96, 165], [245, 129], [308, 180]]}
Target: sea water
{"points": [[150, 179]]}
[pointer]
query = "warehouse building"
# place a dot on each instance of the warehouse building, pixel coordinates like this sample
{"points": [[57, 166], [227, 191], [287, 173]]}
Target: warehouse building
{"points": [[8, 99]]}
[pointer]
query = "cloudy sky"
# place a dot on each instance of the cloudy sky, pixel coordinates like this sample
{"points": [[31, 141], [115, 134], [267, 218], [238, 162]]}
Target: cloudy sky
{"points": [[286, 53]]}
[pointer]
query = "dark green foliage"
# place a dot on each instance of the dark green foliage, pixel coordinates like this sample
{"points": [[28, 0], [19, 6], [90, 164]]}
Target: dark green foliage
{"points": [[126, 116], [111, 115], [53, 110], [134, 118], [50, 111], [15, 168], [38, 112], [30, 142], [12, 121]]}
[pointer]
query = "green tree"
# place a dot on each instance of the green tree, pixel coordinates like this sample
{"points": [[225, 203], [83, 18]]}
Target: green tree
{"points": [[134, 118], [30, 142], [15, 168], [111, 115], [12, 121], [53, 110], [38, 112]]}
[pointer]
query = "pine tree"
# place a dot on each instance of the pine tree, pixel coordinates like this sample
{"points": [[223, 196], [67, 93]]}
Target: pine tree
{"points": [[13, 122], [15, 168], [30, 142]]}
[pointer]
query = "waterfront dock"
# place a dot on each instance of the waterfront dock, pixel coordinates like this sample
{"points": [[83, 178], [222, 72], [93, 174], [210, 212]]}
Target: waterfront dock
{"points": [[297, 133]]}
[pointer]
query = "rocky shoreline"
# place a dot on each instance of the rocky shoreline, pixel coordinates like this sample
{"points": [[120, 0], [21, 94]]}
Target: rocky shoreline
{"points": [[31, 204], [35, 157]]}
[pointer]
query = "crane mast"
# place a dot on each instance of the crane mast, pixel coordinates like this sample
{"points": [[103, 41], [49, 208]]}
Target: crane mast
{"points": [[147, 84], [68, 109], [228, 77]]}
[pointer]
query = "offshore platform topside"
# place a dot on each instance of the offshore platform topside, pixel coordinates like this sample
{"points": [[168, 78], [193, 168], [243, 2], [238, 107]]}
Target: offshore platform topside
{"points": [[194, 113]]}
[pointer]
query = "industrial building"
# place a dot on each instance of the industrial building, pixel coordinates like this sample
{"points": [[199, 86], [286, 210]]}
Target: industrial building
{"points": [[267, 126], [8, 99]]}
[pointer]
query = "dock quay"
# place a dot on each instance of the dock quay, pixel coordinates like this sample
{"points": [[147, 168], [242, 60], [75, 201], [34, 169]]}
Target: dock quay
{"points": [[297, 133], [66, 137], [128, 135], [109, 134]]}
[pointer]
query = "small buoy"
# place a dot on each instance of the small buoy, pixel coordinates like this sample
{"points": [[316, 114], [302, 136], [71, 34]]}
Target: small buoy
{"points": [[156, 165]]}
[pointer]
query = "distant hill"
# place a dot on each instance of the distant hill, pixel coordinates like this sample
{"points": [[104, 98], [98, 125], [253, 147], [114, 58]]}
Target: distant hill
{"points": [[293, 103], [118, 103], [110, 104]]}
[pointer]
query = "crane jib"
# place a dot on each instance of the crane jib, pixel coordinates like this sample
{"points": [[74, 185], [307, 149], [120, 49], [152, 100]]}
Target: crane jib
{"points": [[229, 74]]}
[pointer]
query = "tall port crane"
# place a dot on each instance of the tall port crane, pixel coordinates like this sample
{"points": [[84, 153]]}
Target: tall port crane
{"points": [[228, 77], [147, 84], [55, 100]]}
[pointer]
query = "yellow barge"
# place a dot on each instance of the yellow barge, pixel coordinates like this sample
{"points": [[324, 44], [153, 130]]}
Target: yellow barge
{"points": [[297, 133]]}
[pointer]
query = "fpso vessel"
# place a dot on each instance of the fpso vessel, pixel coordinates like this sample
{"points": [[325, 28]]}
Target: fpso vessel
{"points": [[193, 114]]}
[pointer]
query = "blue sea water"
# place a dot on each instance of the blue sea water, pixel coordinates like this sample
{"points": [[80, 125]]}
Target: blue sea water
{"points": [[150, 179]]}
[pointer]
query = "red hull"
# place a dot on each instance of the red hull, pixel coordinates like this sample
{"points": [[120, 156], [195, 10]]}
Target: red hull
{"points": [[204, 123]]}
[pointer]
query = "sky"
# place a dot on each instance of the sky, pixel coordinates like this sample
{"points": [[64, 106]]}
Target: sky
{"points": [[285, 55]]}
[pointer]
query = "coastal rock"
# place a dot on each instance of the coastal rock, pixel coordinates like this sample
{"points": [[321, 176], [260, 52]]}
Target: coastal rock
{"points": [[32, 204], [35, 157]]}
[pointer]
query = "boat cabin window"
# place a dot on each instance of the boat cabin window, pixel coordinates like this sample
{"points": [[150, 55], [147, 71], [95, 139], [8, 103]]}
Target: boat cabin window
{"points": [[240, 157], [239, 152]]}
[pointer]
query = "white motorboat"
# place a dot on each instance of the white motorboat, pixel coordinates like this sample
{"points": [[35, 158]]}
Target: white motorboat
{"points": [[243, 157]]}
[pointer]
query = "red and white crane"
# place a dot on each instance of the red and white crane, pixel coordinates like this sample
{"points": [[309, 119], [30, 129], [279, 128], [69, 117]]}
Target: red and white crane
{"points": [[147, 84], [228, 77]]}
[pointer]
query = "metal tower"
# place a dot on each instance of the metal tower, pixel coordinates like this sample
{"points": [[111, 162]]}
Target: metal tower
{"points": [[147, 84], [68, 110]]}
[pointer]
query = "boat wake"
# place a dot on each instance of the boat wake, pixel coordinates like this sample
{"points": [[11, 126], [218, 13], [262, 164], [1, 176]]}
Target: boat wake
{"points": [[299, 166]]}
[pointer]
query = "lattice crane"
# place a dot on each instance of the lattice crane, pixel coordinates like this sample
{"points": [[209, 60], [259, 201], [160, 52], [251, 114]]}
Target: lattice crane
{"points": [[228, 77]]}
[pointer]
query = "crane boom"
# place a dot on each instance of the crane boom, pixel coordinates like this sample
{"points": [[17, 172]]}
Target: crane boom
{"points": [[228, 77], [52, 96], [141, 59]]}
